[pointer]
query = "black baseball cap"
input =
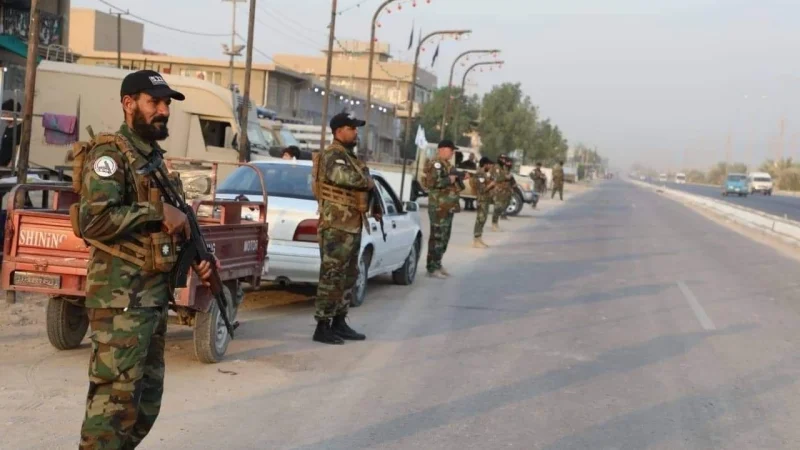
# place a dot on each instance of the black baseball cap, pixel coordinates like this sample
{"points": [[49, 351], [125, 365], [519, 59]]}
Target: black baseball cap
{"points": [[447, 143], [345, 119], [149, 82]]}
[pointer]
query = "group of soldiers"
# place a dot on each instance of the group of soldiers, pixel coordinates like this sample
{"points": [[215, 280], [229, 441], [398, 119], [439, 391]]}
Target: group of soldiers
{"points": [[540, 180], [127, 304]]}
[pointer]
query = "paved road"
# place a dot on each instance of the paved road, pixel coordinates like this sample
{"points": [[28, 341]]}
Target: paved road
{"points": [[621, 320], [778, 205]]}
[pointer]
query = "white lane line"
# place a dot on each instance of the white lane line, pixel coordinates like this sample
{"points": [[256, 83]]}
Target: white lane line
{"points": [[699, 312]]}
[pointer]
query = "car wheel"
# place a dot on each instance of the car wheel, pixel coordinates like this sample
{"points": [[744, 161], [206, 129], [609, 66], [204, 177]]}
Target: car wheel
{"points": [[515, 205], [360, 289], [408, 273]]}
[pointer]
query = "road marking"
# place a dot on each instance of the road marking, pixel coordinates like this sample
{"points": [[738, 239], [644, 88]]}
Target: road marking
{"points": [[699, 312]]}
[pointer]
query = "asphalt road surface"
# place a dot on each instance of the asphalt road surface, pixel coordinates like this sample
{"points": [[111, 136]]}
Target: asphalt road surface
{"points": [[778, 205], [619, 320]]}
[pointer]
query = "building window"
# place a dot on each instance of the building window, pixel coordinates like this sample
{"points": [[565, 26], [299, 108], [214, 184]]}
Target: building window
{"points": [[207, 75], [213, 132]]}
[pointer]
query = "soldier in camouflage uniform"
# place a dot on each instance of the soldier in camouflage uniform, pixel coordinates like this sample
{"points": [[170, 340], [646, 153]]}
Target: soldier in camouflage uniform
{"points": [[443, 202], [558, 181], [539, 179], [127, 285], [342, 183], [502, 190], [483, 186]]}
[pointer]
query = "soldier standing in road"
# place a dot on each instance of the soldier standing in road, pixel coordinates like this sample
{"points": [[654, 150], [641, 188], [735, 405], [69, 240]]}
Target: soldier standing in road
{"points": [[502, 190], [341, 184], [132, 242], [483, 185], [558, 181], [469, 164], [443, 203], [539, 179]]}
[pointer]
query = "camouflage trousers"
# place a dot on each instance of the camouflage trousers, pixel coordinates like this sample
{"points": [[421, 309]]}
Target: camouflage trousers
{"points": [[438, 239], [558, 188], [338, 272], [126, 376], [501, 202], [480, 217]]}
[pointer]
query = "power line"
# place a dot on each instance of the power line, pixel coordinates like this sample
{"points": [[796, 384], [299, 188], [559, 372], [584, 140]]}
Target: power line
{"points": [[357, 5], [167, 27]]}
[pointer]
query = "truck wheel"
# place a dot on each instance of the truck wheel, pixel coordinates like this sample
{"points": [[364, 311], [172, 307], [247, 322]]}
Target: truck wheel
{"points": [[515, 206], [66, 323], [211, 338], [360, 289], [408, 273]]}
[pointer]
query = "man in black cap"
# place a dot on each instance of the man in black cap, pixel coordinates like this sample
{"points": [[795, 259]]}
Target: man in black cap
{"points": [[133, 241], [443, 203], [341, 184]]}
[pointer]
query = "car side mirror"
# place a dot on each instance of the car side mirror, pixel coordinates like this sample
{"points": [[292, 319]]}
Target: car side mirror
{"points": [[411, 206]]}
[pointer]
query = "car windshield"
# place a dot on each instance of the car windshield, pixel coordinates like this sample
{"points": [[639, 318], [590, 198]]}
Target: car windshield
{"points": [[736, 178], [282, 180], [256, 138], [681, 177], [762, 179], [288, 138]]}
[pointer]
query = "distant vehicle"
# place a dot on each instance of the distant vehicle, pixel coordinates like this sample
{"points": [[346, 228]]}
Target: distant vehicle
{"points": [[760, 182], [293, 246], [662, 178], [680, 178], [736, 184]]}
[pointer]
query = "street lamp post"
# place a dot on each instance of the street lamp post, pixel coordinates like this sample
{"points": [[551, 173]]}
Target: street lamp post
{"points": [[463, 83], [368, 106], [450, 86], [413, 93]]}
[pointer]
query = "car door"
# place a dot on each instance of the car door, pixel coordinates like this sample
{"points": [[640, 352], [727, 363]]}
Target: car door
{"points": [[399, 227]]}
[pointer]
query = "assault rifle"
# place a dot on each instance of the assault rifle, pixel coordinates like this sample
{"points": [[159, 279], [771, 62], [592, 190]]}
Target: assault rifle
{"points": [[195, 250], [459, 177], [374, 201]]}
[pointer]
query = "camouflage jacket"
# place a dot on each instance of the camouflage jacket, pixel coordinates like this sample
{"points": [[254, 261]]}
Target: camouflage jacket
{"points": [[502, 179], [109, 212], [340, 167], [442, 193], [480, 184], [558, 175]]}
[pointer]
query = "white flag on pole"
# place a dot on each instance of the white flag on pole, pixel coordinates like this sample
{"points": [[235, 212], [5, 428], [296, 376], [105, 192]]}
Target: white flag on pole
{"points": [[420, 139]]}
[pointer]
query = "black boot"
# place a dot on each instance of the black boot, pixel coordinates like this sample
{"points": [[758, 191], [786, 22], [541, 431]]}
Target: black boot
{"points": [[325, 335], [342, 330]]}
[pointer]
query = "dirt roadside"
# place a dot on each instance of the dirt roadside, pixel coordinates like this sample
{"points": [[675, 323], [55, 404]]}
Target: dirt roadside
{"points": [[42, 385]]}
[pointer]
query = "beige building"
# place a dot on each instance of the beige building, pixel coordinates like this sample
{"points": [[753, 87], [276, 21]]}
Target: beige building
{"points": [[97, 31], [391, 80]]}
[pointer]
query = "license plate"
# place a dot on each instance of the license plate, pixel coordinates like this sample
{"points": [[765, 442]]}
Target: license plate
{"points": [[37, 280]]}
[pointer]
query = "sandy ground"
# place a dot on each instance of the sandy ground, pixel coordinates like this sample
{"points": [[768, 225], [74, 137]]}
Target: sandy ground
{"points": [[41, 385]]}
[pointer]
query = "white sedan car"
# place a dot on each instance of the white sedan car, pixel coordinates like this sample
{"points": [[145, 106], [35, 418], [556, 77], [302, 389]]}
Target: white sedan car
{"points": [[293, 250]]}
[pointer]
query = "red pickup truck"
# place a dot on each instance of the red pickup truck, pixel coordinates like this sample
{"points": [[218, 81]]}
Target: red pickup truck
{"points": [[42, 255]]}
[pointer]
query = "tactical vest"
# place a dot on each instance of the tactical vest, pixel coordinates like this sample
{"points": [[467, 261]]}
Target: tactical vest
{"points": [[151, 252], [325, 191]]}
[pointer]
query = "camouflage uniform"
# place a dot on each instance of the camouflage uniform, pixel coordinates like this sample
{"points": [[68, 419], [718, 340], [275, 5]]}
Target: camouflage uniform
{"points": [[539, 180], [339, 232], [502, 192], [443, 202], [127, 306], [480, 185], [558, 182]]}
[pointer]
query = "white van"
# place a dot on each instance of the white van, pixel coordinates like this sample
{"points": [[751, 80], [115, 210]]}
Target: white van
{"points": [[680, 178], [205, 126], [759, 182]]}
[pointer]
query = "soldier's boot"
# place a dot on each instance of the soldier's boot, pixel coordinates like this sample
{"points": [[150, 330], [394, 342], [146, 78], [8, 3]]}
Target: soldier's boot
{"points": [[478, 243], [325, 334], [444, 271], [495, 227], [342, 330], [436, 274]]}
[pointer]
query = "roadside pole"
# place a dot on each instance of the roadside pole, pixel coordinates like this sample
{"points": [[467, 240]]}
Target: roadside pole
{"points": [[30, 90], [244, 155], [327, 94]]}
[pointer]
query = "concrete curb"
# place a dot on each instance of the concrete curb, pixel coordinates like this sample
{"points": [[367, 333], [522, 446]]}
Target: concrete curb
{"points": [[785, 229]]}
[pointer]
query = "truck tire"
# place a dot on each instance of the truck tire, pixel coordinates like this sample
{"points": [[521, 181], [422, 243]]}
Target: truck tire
{"points": [[66, 323], [211, 338], [515, 206], [406, 275]]}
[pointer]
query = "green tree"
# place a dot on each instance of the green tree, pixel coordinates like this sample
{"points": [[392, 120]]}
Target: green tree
{"points": [[431, 115], [718, 173], [508, 121], [695, 176], [547, 146]]}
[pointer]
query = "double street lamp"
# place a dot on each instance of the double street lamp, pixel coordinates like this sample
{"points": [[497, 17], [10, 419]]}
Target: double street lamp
{"points": [[450, 86], [463, 83]]}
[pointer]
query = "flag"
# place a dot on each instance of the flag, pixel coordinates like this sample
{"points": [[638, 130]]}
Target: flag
{"points": [[435, 55], [411, 38], [420, 139]]}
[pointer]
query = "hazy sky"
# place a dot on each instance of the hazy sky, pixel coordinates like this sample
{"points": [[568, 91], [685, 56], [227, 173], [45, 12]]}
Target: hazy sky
{"points": [[654, 81]]}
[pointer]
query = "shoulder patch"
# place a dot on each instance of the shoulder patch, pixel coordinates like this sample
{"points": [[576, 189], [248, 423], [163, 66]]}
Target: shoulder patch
{"points": [[437, 165], [339, 161], [105, 166]]}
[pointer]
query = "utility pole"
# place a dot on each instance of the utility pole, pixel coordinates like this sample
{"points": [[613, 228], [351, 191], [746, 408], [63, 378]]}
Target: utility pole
{"points": [[368, 106], [119, 36], [234, 50], [327, 94], [244, 155], [463, 85], [782, 138], [450, 88], [30, 90]]}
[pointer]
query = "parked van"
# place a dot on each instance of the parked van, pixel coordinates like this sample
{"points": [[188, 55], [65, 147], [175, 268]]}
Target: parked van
{"points": [[759, 182], [680, 178], [205, 126]]}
